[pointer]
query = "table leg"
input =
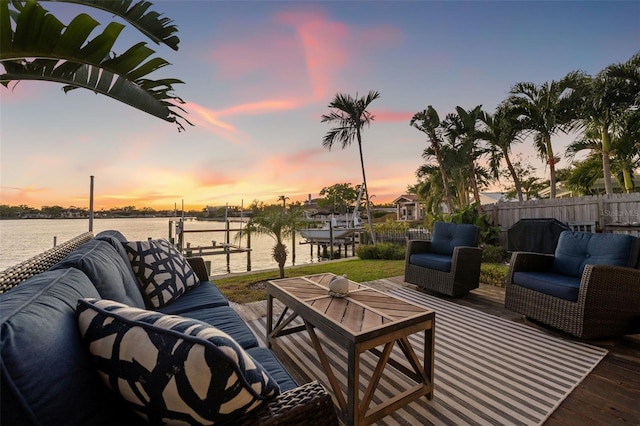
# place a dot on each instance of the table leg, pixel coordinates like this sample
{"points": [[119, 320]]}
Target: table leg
{"points": [[269, 318], [429, 345], [353, 386]]}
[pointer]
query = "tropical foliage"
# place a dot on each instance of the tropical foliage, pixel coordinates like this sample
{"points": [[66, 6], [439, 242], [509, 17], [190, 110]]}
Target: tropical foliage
{"points": [[350, 115], [35, 45], [470, 149], [339, 197]]}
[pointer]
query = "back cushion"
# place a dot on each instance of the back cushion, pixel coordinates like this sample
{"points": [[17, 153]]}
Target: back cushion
{"points": [[47, 374], [447, 236], [109, 272], [577, 249]]}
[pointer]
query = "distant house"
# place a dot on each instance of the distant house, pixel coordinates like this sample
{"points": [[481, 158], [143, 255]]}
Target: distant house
{"points": [[491, 197], [561, 192], [409, 208]]}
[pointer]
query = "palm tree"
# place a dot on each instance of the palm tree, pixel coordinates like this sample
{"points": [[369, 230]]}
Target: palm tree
{"points": [[35, 45], [501, 132], [350, 114], [605, 101], [545, 110], [461, 129], [284, 199], [428, 122], [629, 72], [278, 223], [625, 155]]}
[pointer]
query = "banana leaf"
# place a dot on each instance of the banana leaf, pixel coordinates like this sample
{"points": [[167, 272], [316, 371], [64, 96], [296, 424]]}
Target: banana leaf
{"points": [[39, 47]]}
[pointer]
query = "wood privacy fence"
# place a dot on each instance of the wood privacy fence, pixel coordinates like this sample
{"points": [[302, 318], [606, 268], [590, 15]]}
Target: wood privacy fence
{"points": [[618, 213]]}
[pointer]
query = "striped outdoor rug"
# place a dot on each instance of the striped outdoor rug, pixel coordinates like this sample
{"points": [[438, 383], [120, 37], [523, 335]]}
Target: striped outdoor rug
{"points": [[487, 370]]}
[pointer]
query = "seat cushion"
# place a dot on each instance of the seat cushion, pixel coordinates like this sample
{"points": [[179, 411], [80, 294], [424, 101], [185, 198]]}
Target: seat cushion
{"points": [[577, 249], [556, 285], [447, 236], [206, 295], [107, 270], [227, 320], [163, 273], [268, 360], [172, 369], [438, 262], [47, 374]]}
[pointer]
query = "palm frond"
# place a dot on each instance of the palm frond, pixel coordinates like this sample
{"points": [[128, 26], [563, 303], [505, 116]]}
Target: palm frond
{"points": [[42, 48], [150, 23]]}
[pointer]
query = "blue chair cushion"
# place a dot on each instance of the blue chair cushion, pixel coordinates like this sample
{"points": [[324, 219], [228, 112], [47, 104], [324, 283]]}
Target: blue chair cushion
{"points": [[47, 374], [227, 320], [170, 369], [206, 295], [269, 362], [577, 249], [107, 270], [447, 236], [557, 285], [438, 262]]}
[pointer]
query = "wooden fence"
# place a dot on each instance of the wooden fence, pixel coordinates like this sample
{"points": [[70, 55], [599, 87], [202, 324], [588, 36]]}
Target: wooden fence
{"points": [[618, 213]]}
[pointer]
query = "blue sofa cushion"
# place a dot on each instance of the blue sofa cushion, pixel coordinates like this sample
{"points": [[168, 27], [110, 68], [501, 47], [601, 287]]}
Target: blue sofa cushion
{"points": [[557, 285], [577, 249], [439, 262], [163, 273], [206, 295], [109, 272], [227, 320], [447, 236], [47, 374], [114, 238], [172, 369], [111, 233], [268, 360]]}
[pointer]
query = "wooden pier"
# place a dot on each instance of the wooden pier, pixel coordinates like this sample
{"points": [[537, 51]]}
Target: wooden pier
{"points": [[216, 248]]}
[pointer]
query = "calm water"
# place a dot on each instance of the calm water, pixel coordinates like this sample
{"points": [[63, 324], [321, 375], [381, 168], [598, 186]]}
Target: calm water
{"points": [[22, 239]]}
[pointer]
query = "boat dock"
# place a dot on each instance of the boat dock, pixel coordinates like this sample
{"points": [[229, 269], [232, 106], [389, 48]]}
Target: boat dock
{"points": [[216, 248]]}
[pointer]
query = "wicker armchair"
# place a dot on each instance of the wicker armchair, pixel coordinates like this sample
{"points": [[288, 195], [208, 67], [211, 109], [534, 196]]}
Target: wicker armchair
{"points": [[608, 296], [449, 263]]}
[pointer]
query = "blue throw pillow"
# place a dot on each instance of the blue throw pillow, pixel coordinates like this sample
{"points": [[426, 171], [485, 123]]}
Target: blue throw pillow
{"points": [[163, 273], [575, 250], [172, 369]]}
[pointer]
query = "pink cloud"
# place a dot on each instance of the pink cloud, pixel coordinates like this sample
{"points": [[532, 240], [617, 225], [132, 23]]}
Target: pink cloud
{"points": [[205, 177], [321, 49]]}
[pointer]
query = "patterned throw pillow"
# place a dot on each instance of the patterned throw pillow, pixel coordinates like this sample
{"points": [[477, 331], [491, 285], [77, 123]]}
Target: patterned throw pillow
{"points": [[163, 273], [172, 369]]}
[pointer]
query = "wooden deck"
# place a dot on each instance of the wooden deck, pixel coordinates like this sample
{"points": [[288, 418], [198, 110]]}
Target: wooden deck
{"points": [[610, 395]]}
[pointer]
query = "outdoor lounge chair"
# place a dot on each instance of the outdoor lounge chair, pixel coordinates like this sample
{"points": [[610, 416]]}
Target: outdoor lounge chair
{"points": [[449, 263], [590, 287]]}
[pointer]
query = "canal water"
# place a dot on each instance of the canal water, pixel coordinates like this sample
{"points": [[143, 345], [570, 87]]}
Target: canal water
{"points": [[22, 239]]}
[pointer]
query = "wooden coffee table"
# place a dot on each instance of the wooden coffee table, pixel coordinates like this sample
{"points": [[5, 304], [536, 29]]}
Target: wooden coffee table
{"points": [[365, 320]]}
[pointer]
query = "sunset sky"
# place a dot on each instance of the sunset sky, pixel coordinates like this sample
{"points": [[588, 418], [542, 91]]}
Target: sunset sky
{"points": [[259, 75]]}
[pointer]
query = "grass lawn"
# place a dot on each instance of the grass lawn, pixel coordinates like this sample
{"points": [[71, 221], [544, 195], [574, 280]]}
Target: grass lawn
{"points": [[246, 288]]}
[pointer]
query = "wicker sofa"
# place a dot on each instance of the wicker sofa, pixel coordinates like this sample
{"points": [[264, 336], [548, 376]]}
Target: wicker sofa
{"points": [[589, 288], [50, 375], [449, 263]]}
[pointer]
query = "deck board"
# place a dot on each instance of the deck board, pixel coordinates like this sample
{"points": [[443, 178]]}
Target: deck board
{"points": [[609, 395]]}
